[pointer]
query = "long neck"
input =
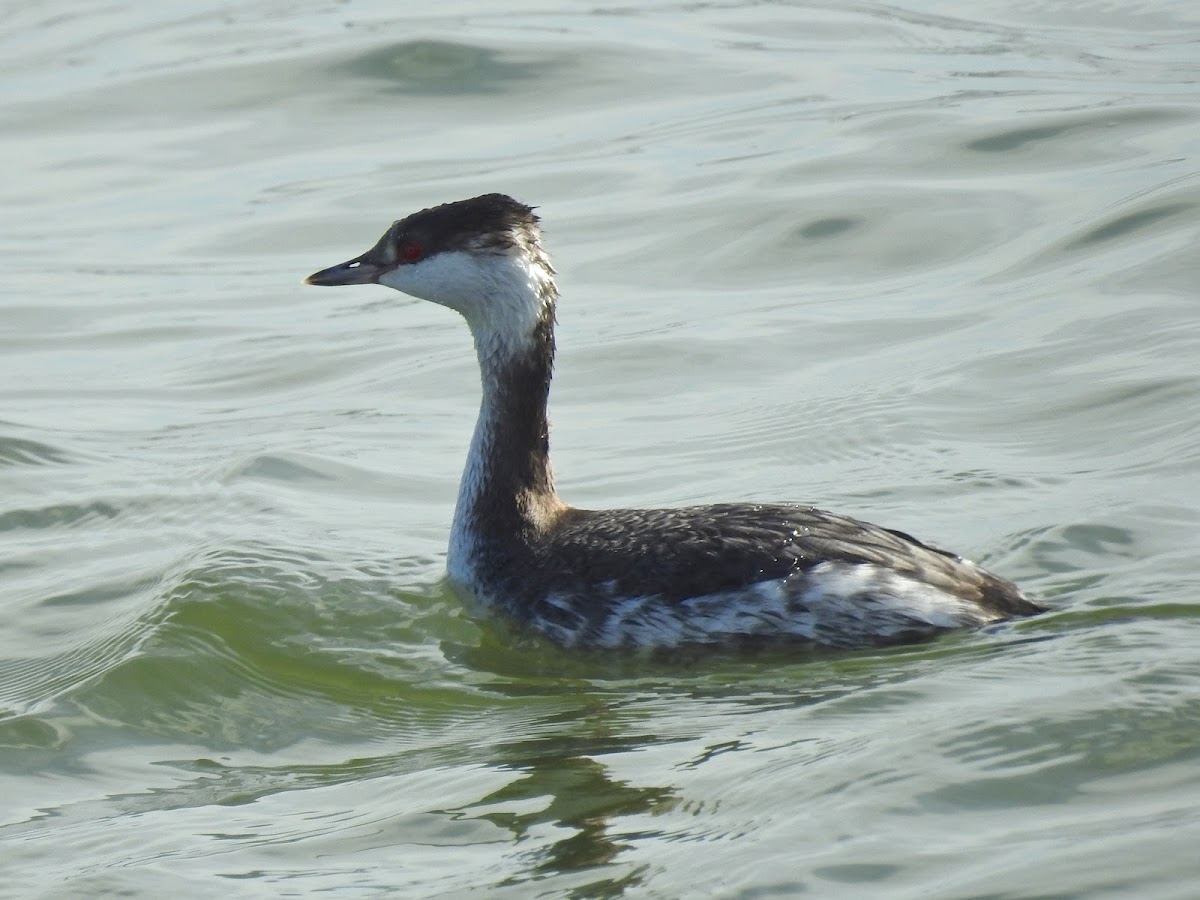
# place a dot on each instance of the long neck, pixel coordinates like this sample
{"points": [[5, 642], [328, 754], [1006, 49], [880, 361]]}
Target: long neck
{"points": [[507, 490]]}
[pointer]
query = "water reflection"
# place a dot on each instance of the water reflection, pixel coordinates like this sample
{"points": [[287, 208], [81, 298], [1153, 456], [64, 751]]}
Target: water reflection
{"points": [[565, 787]]}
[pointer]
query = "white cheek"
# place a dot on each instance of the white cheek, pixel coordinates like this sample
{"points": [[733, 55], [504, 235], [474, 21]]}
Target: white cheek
{"points": [[451, 279], [502, 297]]}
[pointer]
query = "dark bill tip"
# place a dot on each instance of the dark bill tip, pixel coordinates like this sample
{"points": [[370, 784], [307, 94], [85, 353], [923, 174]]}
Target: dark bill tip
{"points": [[355, 271]]}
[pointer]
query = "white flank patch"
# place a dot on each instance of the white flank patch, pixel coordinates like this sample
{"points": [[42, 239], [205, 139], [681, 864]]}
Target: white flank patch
{"points": [[837, 604], [877, 594]]}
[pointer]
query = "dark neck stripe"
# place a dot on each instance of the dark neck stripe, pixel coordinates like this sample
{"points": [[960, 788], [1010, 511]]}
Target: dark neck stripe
{"points": [[516, 475]]}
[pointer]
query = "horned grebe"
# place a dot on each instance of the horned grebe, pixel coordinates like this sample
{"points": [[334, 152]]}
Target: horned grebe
{"points": [[657, 578]]}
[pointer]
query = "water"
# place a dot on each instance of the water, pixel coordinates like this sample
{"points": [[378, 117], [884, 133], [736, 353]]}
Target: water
{"points": [[940, 272]]}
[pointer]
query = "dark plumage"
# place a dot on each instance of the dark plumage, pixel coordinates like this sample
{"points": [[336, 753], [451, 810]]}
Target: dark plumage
{"points": [[720, 574]]}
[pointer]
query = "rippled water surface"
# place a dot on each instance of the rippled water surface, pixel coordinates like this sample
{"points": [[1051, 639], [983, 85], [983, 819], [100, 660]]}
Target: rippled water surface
{"points": [[932, 264]]}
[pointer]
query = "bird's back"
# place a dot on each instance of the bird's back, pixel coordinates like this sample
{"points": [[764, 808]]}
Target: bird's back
{"points": [[712, 574]]}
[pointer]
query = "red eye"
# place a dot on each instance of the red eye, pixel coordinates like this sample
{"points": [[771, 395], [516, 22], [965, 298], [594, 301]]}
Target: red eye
{"points": [[410, 252]]}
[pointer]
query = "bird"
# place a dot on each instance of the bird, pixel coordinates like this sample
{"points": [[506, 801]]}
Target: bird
{"points": [[722, 575]]}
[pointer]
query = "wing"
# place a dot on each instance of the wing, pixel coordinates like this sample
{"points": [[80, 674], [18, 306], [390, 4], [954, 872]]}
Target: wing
{"points": [[681, 553]]}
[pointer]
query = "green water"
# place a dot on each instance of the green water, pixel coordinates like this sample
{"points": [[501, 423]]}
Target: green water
{"points": [[934, 267]]}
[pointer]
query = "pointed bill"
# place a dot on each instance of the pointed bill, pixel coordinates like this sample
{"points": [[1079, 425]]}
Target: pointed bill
{"points": [[360, 270]]}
